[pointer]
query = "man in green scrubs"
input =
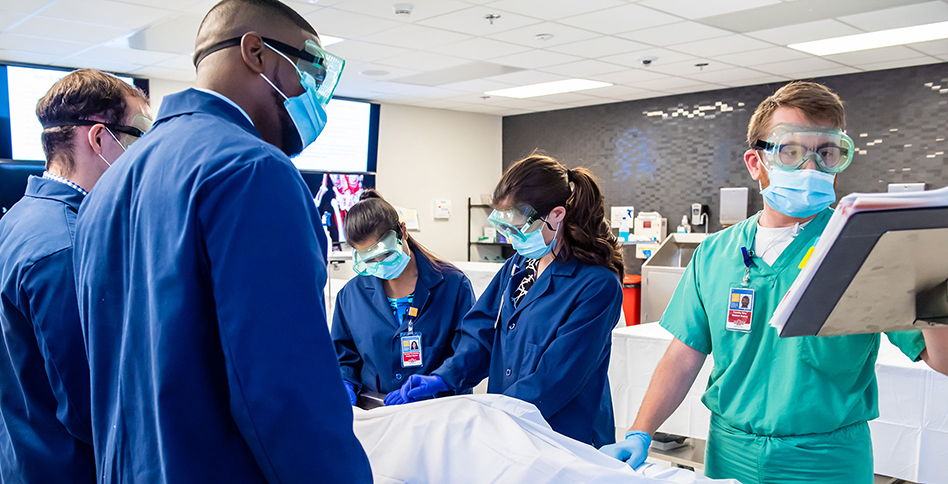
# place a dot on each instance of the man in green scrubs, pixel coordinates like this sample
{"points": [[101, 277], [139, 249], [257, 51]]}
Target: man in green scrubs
{"points": [[782, 410]]}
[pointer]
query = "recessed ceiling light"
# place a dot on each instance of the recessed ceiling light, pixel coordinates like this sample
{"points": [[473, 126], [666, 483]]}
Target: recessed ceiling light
{"points": [[329, 40], [373, 72], [543, 37], [402, 9], [547, 88], [875, 40]]}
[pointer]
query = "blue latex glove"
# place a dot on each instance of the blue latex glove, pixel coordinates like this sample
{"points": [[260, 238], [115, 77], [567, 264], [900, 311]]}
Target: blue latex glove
{"points": [[350, 389], [633, 450], [416, 388]]}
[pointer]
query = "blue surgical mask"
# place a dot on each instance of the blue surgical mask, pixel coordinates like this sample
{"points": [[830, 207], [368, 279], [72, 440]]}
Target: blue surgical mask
{"points": [[800, 193], [533, 246], [389, 272], [307, 113]]}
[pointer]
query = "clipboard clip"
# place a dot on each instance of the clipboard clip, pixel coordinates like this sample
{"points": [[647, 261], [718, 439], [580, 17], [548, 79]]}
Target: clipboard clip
{"points": [[931, 305]]}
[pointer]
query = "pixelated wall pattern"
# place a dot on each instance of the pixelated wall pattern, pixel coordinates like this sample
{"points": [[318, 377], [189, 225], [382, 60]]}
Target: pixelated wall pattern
{"points": [[663, 154]]}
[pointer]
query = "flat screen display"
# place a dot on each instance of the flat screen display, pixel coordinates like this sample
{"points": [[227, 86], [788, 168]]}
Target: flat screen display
{"points": [[348, 143], [25, 86]]}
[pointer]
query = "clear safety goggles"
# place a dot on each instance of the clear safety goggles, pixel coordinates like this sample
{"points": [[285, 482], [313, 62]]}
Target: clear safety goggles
{"points": [[323, 68], [516, 223], [367, 262], [789, 147], [126, 133]]}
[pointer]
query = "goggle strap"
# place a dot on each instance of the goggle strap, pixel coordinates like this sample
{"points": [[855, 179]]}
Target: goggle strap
{"points": [[91, 122], [216, 47], [763, 145]]}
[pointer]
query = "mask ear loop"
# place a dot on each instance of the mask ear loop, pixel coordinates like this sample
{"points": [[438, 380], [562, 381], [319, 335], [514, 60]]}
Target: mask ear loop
{"points": [[298, 73], [116, 141]]}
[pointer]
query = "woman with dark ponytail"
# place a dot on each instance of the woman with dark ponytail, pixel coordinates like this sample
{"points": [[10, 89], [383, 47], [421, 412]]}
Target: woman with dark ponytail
{"points": [[542, 329], [400, 315]]}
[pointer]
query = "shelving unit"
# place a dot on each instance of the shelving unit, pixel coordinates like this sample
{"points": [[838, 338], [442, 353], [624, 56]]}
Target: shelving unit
{"points": [[505, 248]]}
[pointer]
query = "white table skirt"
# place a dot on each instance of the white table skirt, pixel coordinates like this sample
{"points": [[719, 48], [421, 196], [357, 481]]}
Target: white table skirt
{"points": [[910, 438]]}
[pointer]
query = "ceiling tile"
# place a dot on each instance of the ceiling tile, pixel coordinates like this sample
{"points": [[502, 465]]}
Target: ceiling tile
{"points": [[592, 101], [9, 18], [422, 8], [131, 56], [348, 25], [66, 30], [805, 32], [599, 47], [833, 71], [893, 18], [790, 68], [535, 58], [100, 64], [721, 46], [688, 68], [693, 9], [755, 81], [180, 5], [485, 109], [177, 62], [583, 68], [892, 64], [423, 61], [618, 92], [943, 57], [676, 33], [631, 76], [438, 104], [524, 78], [355, 50], [471, 21], [664, 56], [428, 92], [566, 97], [353, 73], [934, 47], [883, 54], [562, 34], [727, 75], [57, 48], [667, 83], [692, 89], [415, 37], [479, 48], [753, 57], [477, 86], [24, 6], [105, 12], [553, 9], [620, 19], [13, 55]]}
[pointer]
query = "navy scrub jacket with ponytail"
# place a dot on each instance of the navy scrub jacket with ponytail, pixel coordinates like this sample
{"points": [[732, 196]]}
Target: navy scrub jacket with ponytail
{"points": [[366, 333], [552, 350]]}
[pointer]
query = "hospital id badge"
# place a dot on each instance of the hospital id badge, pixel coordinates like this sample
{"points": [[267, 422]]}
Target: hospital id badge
{"points": [[411, 349], [740, 309]]}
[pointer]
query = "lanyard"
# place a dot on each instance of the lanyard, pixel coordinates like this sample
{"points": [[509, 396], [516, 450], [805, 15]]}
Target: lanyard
{"points": [[411, 315], [503, 296]]}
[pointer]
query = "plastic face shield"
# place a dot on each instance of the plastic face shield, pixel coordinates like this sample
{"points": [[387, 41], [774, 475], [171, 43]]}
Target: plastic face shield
{"points": [[789, 147], [516, 223], [366, 262]]}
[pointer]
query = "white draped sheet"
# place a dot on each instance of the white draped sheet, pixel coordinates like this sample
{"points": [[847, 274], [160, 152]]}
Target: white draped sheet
{"points": [[488, 439]]}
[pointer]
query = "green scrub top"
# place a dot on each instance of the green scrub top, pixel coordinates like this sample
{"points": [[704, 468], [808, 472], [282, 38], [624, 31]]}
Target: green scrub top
{"points": [[763, 384]]}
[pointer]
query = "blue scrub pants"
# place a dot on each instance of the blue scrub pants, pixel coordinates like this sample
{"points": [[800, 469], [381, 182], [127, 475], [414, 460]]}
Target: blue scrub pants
{"points": [[843, 456]]}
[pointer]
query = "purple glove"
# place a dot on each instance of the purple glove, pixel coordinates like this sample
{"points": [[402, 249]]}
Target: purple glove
{"points": [[350, 389], [416, 388], [633, 450]]}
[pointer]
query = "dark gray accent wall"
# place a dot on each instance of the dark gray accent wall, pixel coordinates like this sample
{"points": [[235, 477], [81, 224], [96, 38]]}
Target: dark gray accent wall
{"points": [[665, 162]]}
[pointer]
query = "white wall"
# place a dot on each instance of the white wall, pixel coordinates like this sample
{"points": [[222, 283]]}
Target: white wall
{"points": [[427, 154], [159, 88]]}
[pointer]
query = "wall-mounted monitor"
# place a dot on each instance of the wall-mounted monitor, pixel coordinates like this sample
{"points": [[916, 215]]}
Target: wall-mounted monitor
{"points": [[20, 88], [348, 144]]}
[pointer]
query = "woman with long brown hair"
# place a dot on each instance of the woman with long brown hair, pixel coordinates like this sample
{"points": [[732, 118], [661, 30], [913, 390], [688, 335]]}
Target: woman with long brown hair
{"points": [[542, 329], [400, 315]]}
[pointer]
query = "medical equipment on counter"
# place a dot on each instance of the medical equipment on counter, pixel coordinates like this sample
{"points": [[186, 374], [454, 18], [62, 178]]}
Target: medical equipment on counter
{"points": [[651, 225], [733, 205]]}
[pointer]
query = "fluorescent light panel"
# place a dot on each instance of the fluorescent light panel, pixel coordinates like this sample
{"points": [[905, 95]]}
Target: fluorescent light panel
{"points": [[329, 40], [875, 40], [548, 88]]}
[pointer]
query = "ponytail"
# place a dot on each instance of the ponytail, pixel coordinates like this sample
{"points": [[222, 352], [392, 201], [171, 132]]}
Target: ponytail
{"points": [[544, 184]]}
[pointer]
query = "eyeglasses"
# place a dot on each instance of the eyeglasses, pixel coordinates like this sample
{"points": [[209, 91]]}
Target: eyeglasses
{"points": [[789, 147], [324, 67]]}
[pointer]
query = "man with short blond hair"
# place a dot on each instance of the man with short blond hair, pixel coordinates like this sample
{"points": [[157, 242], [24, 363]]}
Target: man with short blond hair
{"points": [[88, 119], [782, 410]]}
